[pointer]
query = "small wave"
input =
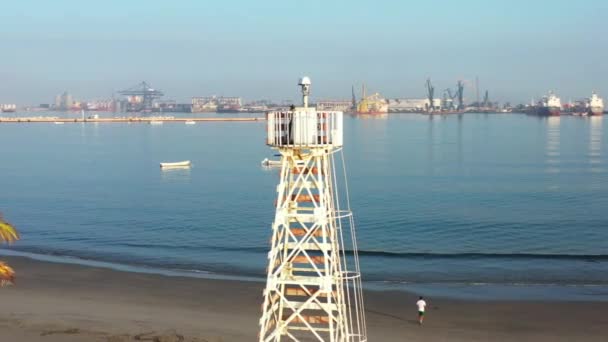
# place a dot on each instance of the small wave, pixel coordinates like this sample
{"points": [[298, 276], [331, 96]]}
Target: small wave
{"points": [[583, 257], [198, 247], [530, 283], [404, 255], [214, 271]]}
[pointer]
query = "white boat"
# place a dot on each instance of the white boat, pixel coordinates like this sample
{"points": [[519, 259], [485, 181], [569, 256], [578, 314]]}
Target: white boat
{"points": [[156, 122], [59, 122], [595, 105], [270, 163], [190, 122], [185, 163]]}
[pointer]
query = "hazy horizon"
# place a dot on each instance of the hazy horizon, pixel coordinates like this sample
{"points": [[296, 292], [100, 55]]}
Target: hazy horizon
{"points": [[518, 49]]}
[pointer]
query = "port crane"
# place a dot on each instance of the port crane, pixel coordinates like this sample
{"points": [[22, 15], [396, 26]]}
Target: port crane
{"points": [[448, 99], [430, 94], [486, 100], [459, 95], [144, 91]]}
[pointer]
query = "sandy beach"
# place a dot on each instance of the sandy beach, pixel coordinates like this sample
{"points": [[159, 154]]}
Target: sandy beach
{"points": [[54, 302]]}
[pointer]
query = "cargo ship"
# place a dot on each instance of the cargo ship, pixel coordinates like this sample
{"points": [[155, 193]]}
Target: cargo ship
{"points": [[549, 105], [595, 105]]}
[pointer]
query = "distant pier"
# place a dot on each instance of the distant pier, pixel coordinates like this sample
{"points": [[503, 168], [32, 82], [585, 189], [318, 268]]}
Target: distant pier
{"points": [[125, 119]]}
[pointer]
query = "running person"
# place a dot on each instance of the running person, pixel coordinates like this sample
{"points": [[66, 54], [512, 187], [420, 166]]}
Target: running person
{"points": [[421, 304]]}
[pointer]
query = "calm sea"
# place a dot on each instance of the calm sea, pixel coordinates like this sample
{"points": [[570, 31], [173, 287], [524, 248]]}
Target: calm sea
{"points": [[483, 200]]}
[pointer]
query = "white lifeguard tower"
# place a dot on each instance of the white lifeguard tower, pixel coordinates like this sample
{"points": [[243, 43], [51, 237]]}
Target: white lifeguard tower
{"points": [[313, 290]]}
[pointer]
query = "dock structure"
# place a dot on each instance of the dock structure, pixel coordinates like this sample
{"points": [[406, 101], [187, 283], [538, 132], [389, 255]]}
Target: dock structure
{"points": [[141, 97], [313, 287], [125, 119]]}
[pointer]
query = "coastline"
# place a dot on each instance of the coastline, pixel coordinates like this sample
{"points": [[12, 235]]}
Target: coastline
{"points": [[484, 291], [147, 120], [55, 302]]}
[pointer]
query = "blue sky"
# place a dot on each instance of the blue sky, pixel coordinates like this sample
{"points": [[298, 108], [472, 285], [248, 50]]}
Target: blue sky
{"points": [[258, 49]]}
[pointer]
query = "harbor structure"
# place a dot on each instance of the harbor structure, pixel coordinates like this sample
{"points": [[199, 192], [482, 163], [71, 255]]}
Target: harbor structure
{"points": [[452, 101], [102, 105], [259, 106], [430, 93], [460, 95], [140, 98], [411, 105], [313, 287], [219, 104], [172, 107], [203, 104], [8, 107], [485, 106], [230, 104], [64, 101], [130, 119], [335, 105], [371, 104]]}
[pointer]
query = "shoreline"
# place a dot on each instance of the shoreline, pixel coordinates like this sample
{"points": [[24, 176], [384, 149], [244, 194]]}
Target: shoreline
{"points": [[54, 302], [452, 291]]}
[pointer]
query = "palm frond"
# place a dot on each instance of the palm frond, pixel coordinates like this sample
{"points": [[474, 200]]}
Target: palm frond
{"points": [[7, 274], [8, 233]]}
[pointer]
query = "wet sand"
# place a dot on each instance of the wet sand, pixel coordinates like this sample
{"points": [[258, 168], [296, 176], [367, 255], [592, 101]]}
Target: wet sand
{"points": [[59, 302]]}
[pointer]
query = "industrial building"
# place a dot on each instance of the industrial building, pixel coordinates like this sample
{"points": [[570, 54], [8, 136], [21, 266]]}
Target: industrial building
{"points": [[64, 101], [204, 104], [412, 105], [216, 104], [229, 104]]}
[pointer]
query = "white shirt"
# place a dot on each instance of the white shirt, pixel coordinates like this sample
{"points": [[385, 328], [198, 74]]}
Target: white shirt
{"points": [[421, 305]]}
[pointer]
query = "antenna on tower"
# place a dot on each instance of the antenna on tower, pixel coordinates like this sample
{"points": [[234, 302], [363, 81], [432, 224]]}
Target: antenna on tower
{"points": [[305, 83]]}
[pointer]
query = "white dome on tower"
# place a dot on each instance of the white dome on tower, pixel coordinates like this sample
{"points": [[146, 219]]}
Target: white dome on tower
{"points": [[304, 81]]}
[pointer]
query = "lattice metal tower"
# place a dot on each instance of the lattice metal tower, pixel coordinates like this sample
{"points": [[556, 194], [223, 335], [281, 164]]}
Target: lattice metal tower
{"points": [[313, 290]]}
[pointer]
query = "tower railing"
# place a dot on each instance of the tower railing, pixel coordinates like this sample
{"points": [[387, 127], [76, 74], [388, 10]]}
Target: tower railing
{"points": [[304, 128]]}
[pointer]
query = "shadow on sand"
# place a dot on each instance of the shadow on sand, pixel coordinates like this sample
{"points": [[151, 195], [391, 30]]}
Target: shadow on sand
{"points": [[410, 321]]}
